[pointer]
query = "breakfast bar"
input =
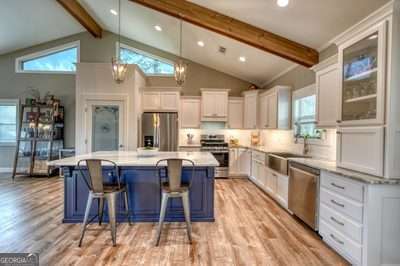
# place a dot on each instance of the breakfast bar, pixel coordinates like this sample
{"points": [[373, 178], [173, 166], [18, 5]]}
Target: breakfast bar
{"points": [[141, 178]]}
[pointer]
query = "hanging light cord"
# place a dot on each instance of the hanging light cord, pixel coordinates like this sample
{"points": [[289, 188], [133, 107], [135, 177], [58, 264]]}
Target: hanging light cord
{"points": [[180, 43], [119, 30]]}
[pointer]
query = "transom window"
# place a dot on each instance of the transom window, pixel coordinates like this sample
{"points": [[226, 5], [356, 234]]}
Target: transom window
{"points": [[8, 121], [60, 59], [304, 113], [149, 64]]}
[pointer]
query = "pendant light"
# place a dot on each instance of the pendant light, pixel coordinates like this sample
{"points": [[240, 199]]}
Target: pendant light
{"points": [[118, 68], [180, 68]]}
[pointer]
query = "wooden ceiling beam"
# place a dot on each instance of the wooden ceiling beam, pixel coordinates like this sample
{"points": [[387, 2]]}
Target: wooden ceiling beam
{"points": [[235, 29], [80, 14]]}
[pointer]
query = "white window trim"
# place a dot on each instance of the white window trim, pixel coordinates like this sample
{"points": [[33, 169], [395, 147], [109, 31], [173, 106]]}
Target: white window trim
{"points": [[148, 55], [21, 59], [301, 93], [16, 103]]}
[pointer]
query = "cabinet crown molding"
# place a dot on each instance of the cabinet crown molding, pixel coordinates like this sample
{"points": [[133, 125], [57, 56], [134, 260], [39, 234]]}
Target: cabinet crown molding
{"points": [[215, 89], [325, 63], [374, 18], [247, 92], [157, 88]]}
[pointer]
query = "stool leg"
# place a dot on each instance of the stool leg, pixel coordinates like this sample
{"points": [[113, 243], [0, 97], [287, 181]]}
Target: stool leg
{"points": [[111, 199], [101, 209], [186, 210], [86, 217], [127, 207], [163, 210]]}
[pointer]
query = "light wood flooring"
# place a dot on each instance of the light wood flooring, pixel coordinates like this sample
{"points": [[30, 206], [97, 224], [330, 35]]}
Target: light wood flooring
{"points": [[250, 229]]}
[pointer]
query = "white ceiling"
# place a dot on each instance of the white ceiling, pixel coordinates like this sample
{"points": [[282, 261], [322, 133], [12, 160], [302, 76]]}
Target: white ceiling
{"points": [[24, 23], [310, 22]]}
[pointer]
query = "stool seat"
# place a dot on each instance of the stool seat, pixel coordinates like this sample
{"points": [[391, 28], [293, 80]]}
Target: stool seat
{"points": [[108, 188], [166, 188]]}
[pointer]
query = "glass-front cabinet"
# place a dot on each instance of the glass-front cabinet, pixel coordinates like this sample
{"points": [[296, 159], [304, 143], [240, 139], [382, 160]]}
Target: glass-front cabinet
{"points": [[363, 78]]}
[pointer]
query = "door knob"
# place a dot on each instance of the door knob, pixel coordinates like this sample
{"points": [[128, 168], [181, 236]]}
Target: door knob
{"points": [[121, 145]]}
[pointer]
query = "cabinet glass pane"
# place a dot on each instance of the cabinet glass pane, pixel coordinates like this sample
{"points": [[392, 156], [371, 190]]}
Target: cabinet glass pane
{"points": [[360, 74]]}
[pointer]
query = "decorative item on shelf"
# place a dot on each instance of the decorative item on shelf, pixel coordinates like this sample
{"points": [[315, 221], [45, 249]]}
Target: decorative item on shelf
{"points": [[252, 87], [180, 67], [118, 68]]}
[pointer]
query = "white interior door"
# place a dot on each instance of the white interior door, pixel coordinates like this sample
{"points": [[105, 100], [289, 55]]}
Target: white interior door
{"points": [[105, 125]]}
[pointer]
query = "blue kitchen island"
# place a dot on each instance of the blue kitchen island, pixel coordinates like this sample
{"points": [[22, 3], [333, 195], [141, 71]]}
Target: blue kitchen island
{"points": [[140, 176]]}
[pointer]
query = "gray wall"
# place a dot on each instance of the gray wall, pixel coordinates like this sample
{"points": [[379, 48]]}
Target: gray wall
{"points": [[14, 85], [300, 76]]}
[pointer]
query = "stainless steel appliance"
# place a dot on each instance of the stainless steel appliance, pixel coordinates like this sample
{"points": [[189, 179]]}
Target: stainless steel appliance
{"points": [[278, 161], [304, 193], [220, 149], [160, 130]]}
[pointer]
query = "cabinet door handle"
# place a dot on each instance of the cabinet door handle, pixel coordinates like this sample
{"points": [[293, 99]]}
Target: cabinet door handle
{"points": [[337, 203], [337, 186], [336, 239], [336, 221], [338, 121]]}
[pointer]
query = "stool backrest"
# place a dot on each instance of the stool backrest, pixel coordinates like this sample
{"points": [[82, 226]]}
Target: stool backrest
{"points": [[174, 172], [95, 173]]}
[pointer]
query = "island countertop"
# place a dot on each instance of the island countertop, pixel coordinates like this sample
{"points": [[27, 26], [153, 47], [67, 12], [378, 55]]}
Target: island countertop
{"points": [[131, 158]]}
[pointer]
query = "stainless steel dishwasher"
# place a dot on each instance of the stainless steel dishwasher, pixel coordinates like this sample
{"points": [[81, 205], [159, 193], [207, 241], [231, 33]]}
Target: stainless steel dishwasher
{"points": [[304, 193]]}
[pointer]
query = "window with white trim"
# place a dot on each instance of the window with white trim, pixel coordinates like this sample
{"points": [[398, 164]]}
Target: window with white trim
{"points": [[150, 64], [60, 59], [8, 121], [304, 113]]}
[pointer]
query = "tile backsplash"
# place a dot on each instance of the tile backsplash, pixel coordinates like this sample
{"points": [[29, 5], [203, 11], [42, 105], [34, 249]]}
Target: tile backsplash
{"points": [[273, 140]]}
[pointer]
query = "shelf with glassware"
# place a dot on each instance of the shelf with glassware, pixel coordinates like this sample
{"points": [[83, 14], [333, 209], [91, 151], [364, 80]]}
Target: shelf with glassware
{"points": [[362, 75], [40, 137]]}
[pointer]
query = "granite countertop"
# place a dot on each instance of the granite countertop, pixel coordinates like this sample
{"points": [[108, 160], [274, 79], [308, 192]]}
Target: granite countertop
{"points": [[193, 145], [331, 166], [130, 158], [257, 148]]}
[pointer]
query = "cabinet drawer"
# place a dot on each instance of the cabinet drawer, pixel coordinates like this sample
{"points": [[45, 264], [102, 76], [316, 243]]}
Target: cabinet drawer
{"points": [[343, 186], [343, 205], [258, 156], [341, 223], [345, 246]]}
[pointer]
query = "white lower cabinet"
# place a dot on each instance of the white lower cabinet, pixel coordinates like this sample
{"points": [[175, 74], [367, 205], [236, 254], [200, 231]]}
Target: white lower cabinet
{"points": [[273, 183], [239, 162], [359, 220], [361, 149]]}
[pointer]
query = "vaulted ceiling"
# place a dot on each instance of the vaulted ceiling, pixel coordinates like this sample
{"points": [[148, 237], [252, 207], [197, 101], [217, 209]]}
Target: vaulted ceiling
{"points": [[309, 22]]}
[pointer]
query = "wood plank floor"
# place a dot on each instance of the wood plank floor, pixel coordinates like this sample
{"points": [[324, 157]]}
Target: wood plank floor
{"points": [[250, 229]]}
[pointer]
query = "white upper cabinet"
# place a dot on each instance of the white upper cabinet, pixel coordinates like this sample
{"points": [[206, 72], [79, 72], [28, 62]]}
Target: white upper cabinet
{"points": [[214, 105], [362, 61], [327, 92], [250, 109], [190, 112], [235, 113], [275, 108], [361, 149], [160, 101]]}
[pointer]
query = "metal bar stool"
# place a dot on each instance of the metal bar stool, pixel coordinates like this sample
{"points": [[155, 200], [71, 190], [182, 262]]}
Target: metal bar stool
{"points": [[174, 188], [100, 190]]}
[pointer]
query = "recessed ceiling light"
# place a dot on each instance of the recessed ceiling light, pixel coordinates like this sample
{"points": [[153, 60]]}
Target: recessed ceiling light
{"points": [[158, 28], [200, 43], [112, 11], [282, 3], [242, 59], [372, 37]]}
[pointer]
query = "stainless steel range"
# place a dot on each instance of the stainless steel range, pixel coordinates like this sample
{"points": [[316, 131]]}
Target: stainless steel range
{"points": [[220, 149]]}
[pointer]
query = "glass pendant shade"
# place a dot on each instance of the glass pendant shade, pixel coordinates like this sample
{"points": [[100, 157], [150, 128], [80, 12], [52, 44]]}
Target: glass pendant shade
{"points": [[180, 72], [118, 70]]}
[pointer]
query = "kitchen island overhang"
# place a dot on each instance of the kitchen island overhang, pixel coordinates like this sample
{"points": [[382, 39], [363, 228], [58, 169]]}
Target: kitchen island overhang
{"points": [[140, 176]]}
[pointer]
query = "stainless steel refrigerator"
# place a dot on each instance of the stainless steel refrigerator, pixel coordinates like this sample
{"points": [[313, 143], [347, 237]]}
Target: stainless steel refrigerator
{"points": [[160, 130]]}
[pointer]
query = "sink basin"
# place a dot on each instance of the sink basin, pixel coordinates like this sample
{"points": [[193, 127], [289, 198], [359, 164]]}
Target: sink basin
{"points": [[278, 161], [289, 155]]}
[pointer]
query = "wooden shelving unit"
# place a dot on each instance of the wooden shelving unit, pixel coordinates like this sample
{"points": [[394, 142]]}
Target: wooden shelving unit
{"points": [[40, 137]]}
